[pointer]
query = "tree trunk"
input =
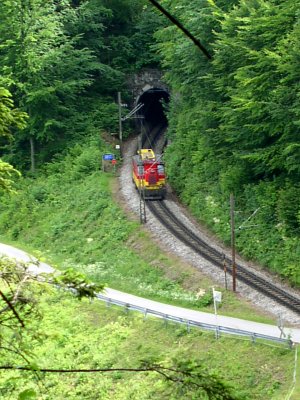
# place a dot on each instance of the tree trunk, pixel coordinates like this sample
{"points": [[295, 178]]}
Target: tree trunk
{"points": [[32, 155]]}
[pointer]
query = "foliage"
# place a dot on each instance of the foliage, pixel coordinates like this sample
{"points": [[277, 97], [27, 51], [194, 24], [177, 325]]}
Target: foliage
{"points": [[10, 118], [288, 207], [86, 235], [145, 54], [21, 286], [77, 283], [233, 123], [46, 68], [58, 57], [7, 173], [62, 59], [85, 335]]}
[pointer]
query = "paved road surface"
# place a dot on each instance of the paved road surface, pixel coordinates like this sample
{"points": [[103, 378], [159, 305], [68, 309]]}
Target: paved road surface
{"points": [[255, 327]]}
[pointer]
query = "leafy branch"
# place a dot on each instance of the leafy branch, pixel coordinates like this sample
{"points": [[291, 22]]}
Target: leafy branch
{"points": [[187, 375]]}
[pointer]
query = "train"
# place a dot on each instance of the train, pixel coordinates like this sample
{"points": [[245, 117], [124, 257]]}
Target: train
{"points": [[148, 174]]}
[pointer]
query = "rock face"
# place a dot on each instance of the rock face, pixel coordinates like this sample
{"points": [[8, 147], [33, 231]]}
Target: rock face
{"points": [[145, 80]]}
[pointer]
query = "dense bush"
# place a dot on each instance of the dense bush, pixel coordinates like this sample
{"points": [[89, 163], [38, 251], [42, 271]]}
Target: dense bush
{"points": [[234, 123], [82, 335]]}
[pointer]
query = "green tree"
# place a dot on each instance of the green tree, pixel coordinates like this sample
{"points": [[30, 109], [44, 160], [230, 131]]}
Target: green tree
{"points": [[10, 120], [10, 117], [247, 73], [47, 70], [234, 120]]}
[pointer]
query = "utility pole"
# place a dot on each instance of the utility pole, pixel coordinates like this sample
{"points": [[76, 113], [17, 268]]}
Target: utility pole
{"points": [[120, 121], [131, 114], [143, 217], [225, 270], [232, 242]]}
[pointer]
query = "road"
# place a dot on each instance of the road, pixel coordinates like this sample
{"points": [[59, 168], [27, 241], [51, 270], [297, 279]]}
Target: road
{"points": [[187, 314]]}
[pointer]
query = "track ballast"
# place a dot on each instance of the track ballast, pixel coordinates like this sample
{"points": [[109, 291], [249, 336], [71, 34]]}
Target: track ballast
{"points": [[162, 212]]}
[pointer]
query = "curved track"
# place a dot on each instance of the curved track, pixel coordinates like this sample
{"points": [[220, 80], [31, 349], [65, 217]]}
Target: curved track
{"points": [[190, 239]]}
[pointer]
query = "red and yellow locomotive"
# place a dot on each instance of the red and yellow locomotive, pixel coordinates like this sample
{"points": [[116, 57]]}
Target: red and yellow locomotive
{"points": [[148, 174]]}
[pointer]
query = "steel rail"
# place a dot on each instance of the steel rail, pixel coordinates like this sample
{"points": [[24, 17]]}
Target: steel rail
{"points": [[162, 212], [190, 239]]}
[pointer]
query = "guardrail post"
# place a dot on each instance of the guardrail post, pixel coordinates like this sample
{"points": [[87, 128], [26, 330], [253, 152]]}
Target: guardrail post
{"points": [[166, 319], [188, 326], [216, 328], [290, 344]]}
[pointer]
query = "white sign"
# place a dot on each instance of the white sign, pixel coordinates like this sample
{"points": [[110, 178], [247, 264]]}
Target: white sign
{"points": [[117, 146], [217, 296]]}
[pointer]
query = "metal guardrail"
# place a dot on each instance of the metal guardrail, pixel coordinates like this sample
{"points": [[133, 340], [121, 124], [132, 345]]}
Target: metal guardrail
{"points": [[190, 323]]}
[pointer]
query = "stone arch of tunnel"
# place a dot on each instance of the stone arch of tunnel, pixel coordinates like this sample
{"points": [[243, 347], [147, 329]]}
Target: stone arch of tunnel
{"points": [[154, 101]]}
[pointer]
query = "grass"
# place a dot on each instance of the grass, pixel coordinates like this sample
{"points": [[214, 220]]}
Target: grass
{"points": [[74, 334], [69, 217], [295, 394]]}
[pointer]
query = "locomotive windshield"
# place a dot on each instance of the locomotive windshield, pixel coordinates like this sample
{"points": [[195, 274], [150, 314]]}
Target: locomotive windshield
{"points": [[148, 174], [160, 169]]}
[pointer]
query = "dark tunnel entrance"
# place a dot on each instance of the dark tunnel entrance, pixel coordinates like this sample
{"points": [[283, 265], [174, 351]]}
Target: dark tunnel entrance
{"points": [[154, 101]]}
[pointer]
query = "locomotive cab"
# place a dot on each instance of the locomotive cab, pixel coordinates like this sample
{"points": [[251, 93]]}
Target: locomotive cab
{"points": [[146, 154], [148, 174]]}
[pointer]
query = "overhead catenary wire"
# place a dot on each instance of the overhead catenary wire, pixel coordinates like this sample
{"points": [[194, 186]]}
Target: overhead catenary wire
{"points": [[133, 111], [182, 28]]}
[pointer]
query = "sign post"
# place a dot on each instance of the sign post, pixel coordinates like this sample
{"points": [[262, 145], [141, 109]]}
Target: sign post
{"points": [[120, 117], [280, 326], [232, 242], [108, 159], [217, 296]]}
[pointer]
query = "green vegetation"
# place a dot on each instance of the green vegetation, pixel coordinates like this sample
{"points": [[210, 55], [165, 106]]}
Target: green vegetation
{"points": [[9, 119], [234, 123], [84, 335], [233, 128], [61, 59], [96, 238], [90, 236], [89, 233]]}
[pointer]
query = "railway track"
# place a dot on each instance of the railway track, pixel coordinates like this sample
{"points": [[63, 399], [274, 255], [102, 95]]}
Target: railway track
{"points": [[163, 213], [190, 239]]}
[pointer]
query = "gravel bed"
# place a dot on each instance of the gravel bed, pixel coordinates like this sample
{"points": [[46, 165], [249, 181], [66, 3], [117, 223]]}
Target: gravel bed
{"points": [[171, 243]]}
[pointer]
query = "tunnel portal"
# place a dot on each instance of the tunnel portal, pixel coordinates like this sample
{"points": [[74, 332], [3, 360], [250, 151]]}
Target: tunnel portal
{"points": [[154, 101]]}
